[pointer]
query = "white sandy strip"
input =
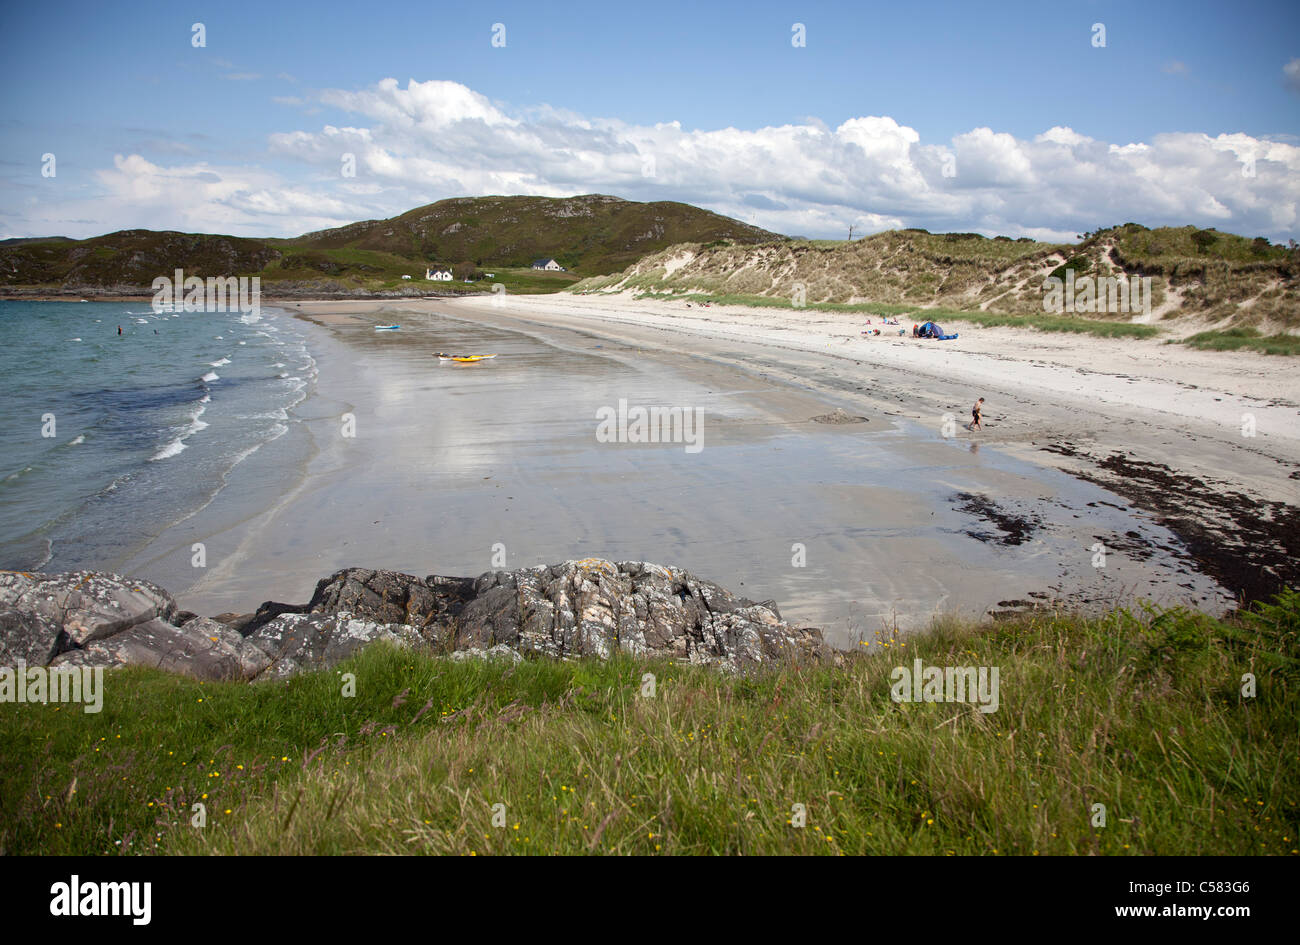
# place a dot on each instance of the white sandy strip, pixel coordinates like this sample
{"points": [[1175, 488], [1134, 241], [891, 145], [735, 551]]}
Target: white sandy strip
{"points": [[1205, 387]]}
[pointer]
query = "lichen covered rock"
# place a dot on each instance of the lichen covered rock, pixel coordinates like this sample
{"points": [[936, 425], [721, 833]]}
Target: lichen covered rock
{"points": [[585, 608]]}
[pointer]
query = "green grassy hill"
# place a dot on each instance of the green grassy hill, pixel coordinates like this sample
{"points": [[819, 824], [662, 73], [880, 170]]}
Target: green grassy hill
{"points": [[128, 258], [588, 235], [592, 234]]}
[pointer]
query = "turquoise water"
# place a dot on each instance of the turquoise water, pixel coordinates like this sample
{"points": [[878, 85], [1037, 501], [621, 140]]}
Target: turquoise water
{"points": [[146, 425]]}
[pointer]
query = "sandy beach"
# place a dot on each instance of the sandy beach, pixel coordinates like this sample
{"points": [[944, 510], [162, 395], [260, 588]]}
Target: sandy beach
{"points": [[1207, 442], [823, 479]]}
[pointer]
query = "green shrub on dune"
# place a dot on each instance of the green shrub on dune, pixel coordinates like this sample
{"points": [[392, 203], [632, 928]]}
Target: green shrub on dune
{"points": [[1247, 338]]}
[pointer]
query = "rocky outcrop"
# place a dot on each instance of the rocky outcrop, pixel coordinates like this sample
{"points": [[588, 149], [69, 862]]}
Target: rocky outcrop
{"points": [[201, 647], [587, 608], [42, 615], [392, 597], [296, 642], [595, 607]]}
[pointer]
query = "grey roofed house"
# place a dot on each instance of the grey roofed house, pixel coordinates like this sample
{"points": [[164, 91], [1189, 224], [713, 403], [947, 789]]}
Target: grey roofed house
{"points": [[550, 264]]}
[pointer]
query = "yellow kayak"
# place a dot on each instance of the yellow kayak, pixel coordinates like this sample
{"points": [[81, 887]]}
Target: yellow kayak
{"points": [[465, 358]]}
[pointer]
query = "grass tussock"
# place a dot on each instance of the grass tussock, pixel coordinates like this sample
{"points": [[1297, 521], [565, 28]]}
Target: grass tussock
{"points": [[1245, 338], [1066, 323], [1139, 710]]}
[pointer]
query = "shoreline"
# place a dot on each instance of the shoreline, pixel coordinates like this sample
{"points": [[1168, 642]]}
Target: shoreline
{"points": [[900, 523], [186, 427], [1122, 414], [1117, 413], [896, 558]]}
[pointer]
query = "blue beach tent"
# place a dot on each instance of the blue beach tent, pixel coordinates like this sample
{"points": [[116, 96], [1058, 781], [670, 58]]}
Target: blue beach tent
{"points": [[931, 330]]}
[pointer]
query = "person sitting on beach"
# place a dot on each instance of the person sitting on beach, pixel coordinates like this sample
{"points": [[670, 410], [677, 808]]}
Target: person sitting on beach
{"points": [[975, 423]]}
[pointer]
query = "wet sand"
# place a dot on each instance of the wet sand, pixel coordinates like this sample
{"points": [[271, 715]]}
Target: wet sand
{"points": [[1205, 443], [849, 526]]}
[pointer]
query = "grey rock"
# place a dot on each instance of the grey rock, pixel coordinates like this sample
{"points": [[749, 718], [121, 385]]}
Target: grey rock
{"points": [[586, 608], [14, 584], [28, 636], [594, 607], [84, 605], [391, 597], [226, 648], [202, 648], [500, 652], [590, 607], [27, 632], [296, 642], [95, 655]]}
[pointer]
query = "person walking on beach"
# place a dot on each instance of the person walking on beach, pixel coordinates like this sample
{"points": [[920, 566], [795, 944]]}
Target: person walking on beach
{"points": [[975, 411]]}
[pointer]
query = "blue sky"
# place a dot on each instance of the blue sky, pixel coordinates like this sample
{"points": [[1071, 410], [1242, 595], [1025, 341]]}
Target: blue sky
{"points": [[235, 137]]}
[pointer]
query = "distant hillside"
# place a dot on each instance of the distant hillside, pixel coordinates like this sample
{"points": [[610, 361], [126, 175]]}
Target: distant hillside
{"points": [[128, 258], [19, 240], [1218, 277], [607, 244], [594, 234], [588, 235]]}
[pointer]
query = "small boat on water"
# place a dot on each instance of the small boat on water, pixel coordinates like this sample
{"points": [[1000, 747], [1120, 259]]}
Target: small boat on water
{"points": [[465, 358], [387, 327]]}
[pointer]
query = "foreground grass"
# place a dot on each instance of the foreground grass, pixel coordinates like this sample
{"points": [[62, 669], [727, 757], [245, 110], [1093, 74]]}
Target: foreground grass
{"points": [[1067, 323], [1139, 710], [1236, 339]]}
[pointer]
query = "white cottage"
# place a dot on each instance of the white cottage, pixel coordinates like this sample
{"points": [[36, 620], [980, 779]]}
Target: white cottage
{"points": [[438, 275], [550, 265]]}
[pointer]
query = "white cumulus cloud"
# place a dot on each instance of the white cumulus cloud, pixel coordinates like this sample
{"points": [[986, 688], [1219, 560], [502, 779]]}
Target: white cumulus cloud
{"points": [[424, 141], [1291, 75]]}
